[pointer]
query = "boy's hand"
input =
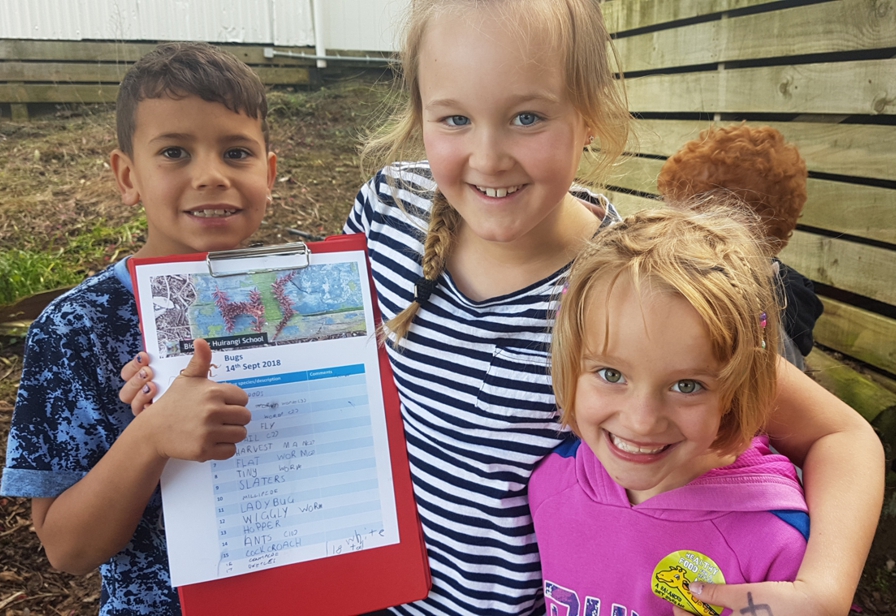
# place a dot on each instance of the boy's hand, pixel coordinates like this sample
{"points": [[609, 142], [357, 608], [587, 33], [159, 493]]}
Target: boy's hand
{"points": [[197, 419], [138, 389]]}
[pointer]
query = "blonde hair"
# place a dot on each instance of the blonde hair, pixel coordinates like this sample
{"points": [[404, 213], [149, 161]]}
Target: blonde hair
{"points": [[712, 259], [591, 66]]}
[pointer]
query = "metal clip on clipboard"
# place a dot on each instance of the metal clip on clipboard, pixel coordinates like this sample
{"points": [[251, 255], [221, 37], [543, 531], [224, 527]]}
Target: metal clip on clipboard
{"points": [[216, 261]]}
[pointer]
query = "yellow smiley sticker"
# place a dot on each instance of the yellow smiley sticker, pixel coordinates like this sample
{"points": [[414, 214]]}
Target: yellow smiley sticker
{"points": [[674, 574]]}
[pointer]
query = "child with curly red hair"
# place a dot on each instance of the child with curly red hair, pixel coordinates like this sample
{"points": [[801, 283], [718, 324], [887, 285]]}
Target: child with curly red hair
{"points": [[759, 167]]}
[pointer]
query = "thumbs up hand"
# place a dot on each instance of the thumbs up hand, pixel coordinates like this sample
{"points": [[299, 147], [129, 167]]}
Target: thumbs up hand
{"points": [[197, 418]]}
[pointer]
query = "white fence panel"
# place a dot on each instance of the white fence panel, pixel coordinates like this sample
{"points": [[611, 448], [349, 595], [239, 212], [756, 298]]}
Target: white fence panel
{"points": [[293, 23], [351, 25], [363, 25], [40, 19], [116, 20], [217, 21]]}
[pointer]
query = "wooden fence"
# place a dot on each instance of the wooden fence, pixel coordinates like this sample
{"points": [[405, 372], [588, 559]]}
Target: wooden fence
{"points": [[89, 72], [824, 74]]}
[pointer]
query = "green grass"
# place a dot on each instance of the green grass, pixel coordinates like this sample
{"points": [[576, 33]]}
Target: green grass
{"points": [[25, 271]]}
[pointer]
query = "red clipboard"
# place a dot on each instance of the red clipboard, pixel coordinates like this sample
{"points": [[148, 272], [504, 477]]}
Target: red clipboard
{"points": [[347, 584]]}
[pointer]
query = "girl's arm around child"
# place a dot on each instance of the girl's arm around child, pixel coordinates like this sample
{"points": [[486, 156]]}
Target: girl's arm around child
{"points": [[843, 463]]}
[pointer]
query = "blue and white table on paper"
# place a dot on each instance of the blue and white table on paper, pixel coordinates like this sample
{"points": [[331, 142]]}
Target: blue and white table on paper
{"points": [[304, 476]]}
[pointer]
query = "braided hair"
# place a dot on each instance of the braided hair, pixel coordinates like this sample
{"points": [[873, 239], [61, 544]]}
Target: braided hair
{"points": [[443, 223]]}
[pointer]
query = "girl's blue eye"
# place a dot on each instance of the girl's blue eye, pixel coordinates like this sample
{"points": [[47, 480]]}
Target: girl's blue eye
{"points": [[457, 120], [526, 119], [687, 387], [174, 153], [236, 154], [610, 375]]}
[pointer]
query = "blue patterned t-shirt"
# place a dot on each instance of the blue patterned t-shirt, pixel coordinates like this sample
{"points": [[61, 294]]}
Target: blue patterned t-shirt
{"points": [[67, 416]]}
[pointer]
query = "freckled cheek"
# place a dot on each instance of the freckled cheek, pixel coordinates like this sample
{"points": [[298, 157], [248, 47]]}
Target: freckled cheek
{"points": [[590, 412], [590, 429], [700, 427]]}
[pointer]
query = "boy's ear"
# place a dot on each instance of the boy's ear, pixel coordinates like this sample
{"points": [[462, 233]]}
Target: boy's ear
{"points": [[123, 168], [272, 169]]}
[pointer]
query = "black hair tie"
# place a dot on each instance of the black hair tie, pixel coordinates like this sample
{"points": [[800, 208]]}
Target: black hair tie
{"points": [[423, 288]]}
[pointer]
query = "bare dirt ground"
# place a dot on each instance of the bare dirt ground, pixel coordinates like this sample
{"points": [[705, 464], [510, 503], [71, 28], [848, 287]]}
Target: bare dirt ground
{"points": [[55, 185]]}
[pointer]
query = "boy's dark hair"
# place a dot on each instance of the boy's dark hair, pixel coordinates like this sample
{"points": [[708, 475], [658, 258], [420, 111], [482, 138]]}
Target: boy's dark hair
{"points": [[179, 70]]}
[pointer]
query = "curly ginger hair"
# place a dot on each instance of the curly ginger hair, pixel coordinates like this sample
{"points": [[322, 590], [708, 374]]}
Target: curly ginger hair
{"points": [[755, 164]]}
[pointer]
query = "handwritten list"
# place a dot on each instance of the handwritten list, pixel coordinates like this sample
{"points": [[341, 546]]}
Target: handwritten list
{"points": [[306, 473]]}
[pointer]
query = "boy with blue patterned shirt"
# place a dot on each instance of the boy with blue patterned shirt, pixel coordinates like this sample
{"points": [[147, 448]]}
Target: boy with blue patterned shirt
{"points": [[193, 149]]}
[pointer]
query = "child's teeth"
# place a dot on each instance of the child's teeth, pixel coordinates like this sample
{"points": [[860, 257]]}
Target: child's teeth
{"points": [[632, 448], [212, 213], [498, 192]]}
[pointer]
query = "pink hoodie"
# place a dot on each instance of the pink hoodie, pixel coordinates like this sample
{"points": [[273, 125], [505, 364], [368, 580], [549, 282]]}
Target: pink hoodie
{"points": [[598, 551]]}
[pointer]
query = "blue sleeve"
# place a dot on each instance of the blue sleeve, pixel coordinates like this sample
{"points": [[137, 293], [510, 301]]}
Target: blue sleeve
{"points": [[67, 411], [569, 447], [797, 519]]}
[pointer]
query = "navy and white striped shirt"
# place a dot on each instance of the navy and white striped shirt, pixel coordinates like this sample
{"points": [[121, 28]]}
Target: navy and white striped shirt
{"points": [[477, 404]]}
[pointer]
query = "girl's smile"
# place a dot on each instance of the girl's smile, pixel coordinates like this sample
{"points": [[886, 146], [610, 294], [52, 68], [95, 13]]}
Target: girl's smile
{"points": [[635, 452], [647, 400], [498, 192]]}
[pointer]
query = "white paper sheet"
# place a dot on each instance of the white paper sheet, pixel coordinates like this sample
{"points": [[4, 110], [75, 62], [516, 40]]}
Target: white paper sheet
{"points": [[313, 477]]}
